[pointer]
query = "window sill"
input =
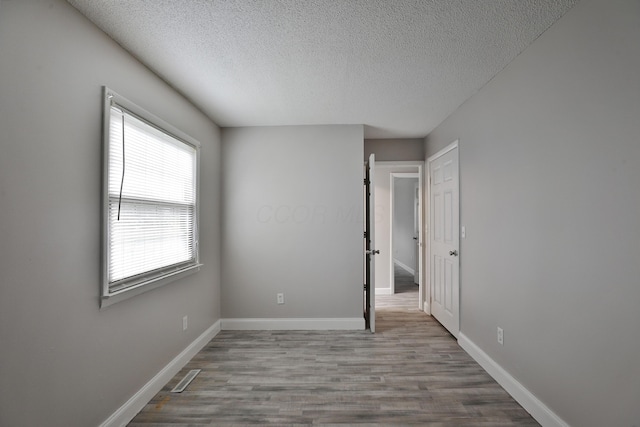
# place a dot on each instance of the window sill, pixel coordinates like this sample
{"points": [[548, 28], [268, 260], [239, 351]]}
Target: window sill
{"points": [[121, 295]]}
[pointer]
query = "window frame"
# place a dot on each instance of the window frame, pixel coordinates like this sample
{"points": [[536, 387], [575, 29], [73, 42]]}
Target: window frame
{"points": [[159, 277]]}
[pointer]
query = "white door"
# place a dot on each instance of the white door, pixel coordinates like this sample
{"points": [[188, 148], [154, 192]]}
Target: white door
{"points": [[370, 252], [444, 221]]}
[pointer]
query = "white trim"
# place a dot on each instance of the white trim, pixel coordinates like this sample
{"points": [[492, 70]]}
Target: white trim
{"points": [[426, 271], [538, 410], [404, 266], [444, 151], [387, 163], [421, 265], [131, 291], [383, 291], [130, 409], [301, 324]]}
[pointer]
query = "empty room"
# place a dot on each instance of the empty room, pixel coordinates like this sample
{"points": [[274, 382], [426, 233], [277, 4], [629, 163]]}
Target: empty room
{"points": [[208, 186]]}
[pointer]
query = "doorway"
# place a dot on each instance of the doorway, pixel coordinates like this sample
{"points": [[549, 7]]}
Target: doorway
{"points": [[405, 232], [385, 173]]}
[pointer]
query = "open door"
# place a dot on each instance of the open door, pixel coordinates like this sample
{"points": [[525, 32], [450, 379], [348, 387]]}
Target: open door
{"points": [[416, 233], [369, 238]]}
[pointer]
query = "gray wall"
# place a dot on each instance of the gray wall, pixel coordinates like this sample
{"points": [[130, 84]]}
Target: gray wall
{"points": [[63, 362], [292, 222], [403, 221], [549, 154], [394, 149]]}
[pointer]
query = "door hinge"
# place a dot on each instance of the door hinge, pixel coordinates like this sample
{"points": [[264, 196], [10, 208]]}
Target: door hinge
{"points": [[366, 182], [365, 286], [365, 234]]}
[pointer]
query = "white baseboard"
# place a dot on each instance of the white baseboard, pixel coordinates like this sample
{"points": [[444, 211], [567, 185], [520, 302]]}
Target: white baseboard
{"points": [[130, 409], [538, 410], [404, 266], [383, 291], [292, 324]]}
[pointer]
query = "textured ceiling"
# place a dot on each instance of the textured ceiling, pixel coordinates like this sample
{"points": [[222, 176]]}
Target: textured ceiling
{"points": [[400, 67]]}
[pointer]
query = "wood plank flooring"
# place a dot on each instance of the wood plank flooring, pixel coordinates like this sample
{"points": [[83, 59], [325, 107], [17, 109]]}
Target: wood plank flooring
{"points": [[411, 371]]}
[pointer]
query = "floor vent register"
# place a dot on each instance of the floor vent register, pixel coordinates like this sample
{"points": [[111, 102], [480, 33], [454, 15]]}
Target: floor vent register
{"points": [[184, 383]]}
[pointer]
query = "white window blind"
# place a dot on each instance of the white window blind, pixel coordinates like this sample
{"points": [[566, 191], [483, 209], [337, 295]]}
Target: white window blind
{"points": [[151, 224]]}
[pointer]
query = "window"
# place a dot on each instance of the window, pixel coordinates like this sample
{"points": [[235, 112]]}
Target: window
{"points": [[150, 201]]}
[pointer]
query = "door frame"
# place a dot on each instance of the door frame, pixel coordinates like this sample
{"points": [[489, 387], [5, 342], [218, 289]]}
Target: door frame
{"points": [[422, 290], [393, 176], [452, 146]]}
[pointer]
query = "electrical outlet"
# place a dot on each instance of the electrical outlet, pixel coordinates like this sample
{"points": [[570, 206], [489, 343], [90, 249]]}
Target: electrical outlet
{"points": [[500, 336], [185, 323], [280, 298]]}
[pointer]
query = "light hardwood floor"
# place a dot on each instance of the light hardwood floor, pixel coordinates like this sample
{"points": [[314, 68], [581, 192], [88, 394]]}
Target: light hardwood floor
{"points": [[411, 371]]}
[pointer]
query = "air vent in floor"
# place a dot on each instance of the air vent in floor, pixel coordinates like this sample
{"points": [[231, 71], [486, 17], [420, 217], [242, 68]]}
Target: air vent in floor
{"points": [[179, 388]]}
